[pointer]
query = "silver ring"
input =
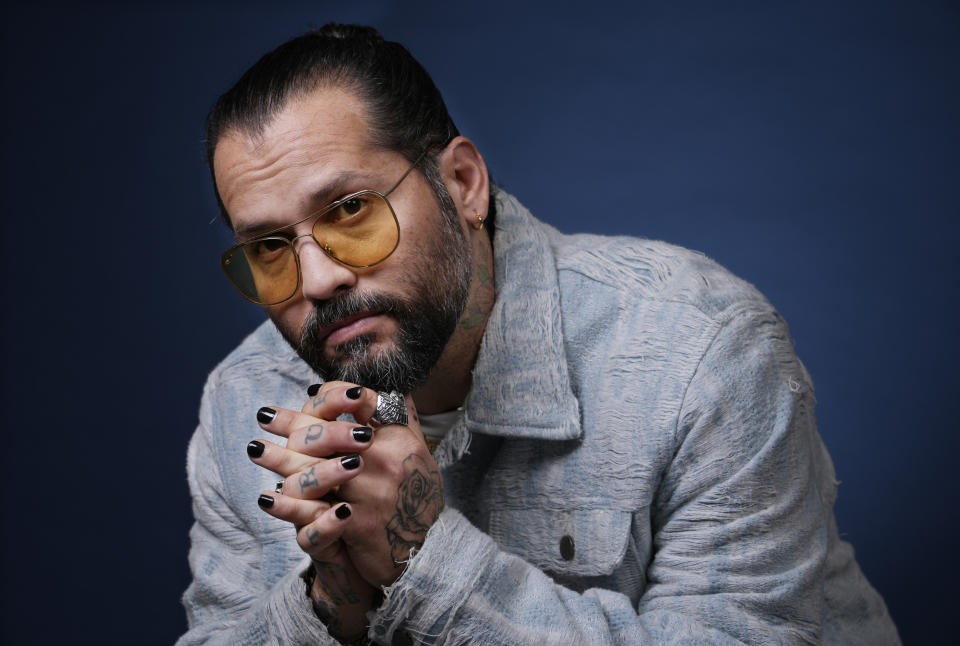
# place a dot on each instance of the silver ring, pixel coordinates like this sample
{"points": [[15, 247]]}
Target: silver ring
{"points": [[391, 409]]}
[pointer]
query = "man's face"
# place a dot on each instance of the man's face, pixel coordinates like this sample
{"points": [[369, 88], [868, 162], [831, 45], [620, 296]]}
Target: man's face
{"points": [[382, 327]]}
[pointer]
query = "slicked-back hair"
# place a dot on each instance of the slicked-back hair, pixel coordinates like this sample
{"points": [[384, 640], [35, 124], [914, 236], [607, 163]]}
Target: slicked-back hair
{"points": [[405, 110]]}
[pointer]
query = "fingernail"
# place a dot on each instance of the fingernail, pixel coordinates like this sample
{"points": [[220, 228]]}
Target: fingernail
{"points": [[265, 501], [279, 487], [342, 512], [360, 434], [265, 415], [313, 390], [350, 462], [255, 449], [355, 392]]}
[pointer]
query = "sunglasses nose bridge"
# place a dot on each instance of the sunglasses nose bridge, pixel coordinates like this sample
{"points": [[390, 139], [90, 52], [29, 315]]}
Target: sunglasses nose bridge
{"points": [[320, 275], [299, 242], [293, 240]]}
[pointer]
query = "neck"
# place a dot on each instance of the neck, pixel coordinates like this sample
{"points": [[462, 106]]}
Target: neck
{"points": [[449, 382]]}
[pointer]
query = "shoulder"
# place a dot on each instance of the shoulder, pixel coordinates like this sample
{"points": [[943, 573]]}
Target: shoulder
{"points": [[631, 297], [664, 291], [647, 272]]}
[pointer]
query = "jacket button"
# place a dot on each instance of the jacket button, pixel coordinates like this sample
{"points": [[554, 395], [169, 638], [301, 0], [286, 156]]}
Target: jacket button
{"points": [[567, 548]]}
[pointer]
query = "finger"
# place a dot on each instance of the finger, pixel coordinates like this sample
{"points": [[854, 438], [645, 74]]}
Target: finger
{"points": [[414, 417], [321, 477], [278, 459], [323, 438], [293, 510], [283, 422], [384, 465], [322, 534], [334, 398]]}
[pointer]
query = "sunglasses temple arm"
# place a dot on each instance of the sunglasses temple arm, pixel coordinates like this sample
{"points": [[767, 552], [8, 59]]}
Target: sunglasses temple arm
{"points": [[410, 170]]}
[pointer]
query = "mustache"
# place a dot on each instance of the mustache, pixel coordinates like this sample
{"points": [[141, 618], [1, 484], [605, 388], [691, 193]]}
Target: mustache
{"points": [[328, 312]]}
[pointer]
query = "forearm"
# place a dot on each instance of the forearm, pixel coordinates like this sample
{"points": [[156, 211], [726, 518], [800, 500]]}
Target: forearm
{"points": [[229, 603], [229, 610], [462, 588]]}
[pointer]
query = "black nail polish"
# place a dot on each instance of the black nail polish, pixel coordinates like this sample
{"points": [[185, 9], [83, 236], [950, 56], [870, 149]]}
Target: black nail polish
{"points": [[265, 501], [265, 415], [255, 449], [342, 512], [350, 462], [313, 390], [360, 434], [355, 392]]}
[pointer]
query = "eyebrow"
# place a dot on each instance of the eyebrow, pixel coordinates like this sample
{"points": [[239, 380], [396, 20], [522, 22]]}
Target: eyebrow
{"points": [[318, 200]]}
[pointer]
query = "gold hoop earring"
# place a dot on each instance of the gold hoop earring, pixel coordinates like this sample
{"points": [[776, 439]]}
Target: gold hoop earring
{"points": [[479, 223]]}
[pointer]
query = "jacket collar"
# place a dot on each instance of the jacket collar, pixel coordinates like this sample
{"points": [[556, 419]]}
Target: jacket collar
{"points": [[521, 385]]}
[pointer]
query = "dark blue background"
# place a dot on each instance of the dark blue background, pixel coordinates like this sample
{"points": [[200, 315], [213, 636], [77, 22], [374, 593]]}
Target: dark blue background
{"points": [[812, 148]]}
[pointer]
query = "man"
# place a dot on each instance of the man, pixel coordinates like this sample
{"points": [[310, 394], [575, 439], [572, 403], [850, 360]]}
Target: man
{"points": [[517, 437]]}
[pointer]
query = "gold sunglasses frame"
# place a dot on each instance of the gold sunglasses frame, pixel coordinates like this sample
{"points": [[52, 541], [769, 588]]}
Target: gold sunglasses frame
{"points": [[227, 255]]}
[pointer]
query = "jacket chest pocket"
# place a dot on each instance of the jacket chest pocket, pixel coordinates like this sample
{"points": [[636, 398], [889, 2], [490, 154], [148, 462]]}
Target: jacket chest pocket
{"points": [[578, 542]]}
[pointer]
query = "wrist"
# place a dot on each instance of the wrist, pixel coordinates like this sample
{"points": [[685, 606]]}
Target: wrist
{"points": [[339, 607]]}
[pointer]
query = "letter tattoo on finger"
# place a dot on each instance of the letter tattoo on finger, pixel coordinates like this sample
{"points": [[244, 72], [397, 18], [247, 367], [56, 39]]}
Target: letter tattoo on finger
{"points": [[308, 479], [314, 433], [319, 400]]}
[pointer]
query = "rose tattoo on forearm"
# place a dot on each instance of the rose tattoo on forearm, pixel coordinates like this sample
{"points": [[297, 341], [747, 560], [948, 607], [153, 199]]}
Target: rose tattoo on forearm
{"points": [[419, 502]]}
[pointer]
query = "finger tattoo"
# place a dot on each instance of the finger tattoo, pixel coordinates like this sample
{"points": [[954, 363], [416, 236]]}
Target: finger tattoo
{"points": [[319, 401], [308, 479], [314, 432]]}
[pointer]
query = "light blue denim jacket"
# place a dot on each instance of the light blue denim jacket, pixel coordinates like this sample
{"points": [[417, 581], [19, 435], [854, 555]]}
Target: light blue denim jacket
{"points": [[638, 463]]}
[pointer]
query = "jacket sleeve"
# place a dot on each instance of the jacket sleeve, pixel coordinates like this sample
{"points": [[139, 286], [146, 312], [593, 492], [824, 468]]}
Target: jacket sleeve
{"points": [[739, 524], [228, 601]]}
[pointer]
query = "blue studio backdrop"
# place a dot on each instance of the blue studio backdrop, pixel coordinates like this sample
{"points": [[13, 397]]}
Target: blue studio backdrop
{"points": [[811, 147]]}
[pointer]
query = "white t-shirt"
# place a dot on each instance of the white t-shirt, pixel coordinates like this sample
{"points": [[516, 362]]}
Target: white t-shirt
{"points": [[436, 426]]}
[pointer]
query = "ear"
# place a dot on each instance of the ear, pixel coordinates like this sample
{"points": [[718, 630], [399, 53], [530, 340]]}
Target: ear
{"points": [[465, 174]]}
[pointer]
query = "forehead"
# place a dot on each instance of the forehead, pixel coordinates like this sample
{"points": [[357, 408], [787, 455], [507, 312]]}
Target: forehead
{"points": [[311, 142]]}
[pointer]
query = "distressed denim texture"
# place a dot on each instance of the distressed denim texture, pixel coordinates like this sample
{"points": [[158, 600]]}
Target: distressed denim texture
{"points": [[631, 399]]}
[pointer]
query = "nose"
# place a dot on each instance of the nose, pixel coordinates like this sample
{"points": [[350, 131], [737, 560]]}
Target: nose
{"points": [[321, 277]]}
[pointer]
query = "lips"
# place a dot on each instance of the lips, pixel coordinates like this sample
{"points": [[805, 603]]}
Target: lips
{"points": [[346, 328]]}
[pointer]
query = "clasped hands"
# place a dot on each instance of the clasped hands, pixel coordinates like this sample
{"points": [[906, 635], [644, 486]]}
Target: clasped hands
{"points": [[360, 498]]}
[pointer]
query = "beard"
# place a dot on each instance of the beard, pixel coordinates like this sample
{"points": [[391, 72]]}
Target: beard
{"points": [[440, 280]]}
